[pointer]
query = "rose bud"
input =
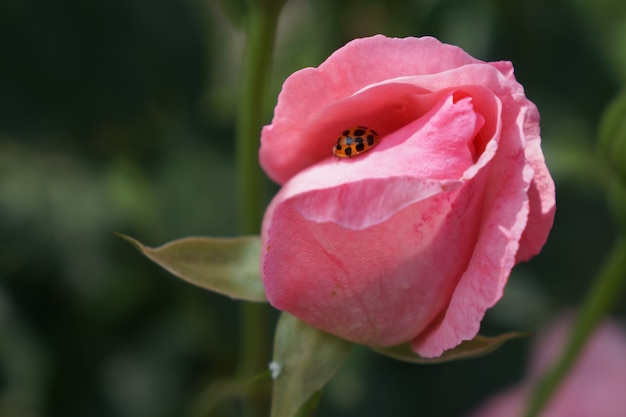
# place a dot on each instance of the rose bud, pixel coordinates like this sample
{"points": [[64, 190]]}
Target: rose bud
{"points": [[410, 238]]}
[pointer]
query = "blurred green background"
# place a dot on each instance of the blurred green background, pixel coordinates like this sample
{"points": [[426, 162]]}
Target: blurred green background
{"points": [[118, 115]]}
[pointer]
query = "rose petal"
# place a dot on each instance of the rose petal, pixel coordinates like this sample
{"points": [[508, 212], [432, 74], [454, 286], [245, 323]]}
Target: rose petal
{"points": [[384, 108], [541, 193], [380, 285], [286, 148], [384, 180], [504, 219]]}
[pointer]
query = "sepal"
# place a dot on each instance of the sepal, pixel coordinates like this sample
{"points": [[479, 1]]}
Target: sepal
{"points": [[478, 346], [304, 360]]}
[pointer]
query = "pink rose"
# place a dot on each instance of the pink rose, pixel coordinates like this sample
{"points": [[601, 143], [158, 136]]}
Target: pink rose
{"points": [[414, 239], [594, 387]]}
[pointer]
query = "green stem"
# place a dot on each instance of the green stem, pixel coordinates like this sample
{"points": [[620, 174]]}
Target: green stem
{"points": [[254, 351], [254, 356], [256, 67], [606, 291]]}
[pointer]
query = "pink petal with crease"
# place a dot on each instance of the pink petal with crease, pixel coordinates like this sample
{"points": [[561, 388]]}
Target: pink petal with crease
{"points": [[504, 219]]}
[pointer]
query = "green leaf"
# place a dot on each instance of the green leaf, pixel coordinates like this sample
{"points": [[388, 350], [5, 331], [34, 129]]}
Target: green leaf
{"points": [[228, 266], [304, 360], [478, 346]]}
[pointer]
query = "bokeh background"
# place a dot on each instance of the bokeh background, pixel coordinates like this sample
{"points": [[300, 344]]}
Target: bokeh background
{"points": [[118, 115]]}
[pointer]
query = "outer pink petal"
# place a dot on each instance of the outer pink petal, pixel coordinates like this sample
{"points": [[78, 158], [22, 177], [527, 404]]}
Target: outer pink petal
{"points": [[377, 286], [541, 193], [505, 217], [284, 144]]}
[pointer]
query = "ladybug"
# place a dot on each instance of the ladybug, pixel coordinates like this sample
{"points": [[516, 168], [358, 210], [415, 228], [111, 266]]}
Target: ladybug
{"points": [[355, 140]]}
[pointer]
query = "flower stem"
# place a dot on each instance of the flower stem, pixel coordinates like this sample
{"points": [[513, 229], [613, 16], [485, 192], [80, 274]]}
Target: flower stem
{"points": [[254, 350], [607, 288], [261, 30]]}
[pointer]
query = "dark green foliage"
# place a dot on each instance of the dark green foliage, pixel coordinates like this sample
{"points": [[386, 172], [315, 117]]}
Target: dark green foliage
{"points": [[119, 115]]}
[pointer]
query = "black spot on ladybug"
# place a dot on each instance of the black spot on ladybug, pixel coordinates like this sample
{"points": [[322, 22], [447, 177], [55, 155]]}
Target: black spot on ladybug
{"points": [[359, 132], [370, 140]]}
